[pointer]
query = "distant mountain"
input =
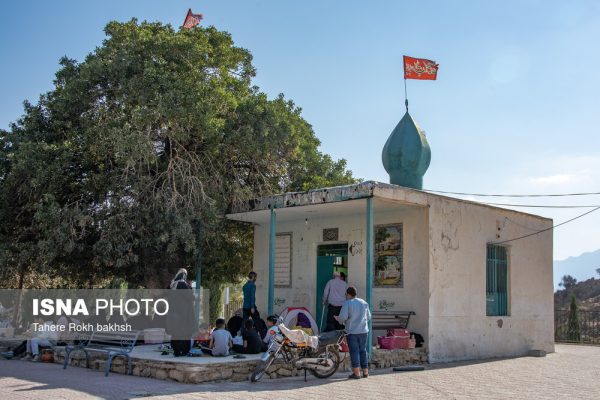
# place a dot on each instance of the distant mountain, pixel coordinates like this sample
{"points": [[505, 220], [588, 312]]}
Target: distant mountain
{"points": [[582, 267]]}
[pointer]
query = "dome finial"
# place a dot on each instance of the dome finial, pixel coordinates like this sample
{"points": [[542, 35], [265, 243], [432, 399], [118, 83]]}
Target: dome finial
{"points": [[406, 154]]}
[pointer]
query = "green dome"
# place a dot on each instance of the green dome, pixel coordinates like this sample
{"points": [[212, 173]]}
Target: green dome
{"points": [[406, 154]]}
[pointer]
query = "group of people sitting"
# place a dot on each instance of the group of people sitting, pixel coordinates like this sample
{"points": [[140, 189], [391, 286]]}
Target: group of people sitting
{"points": [[252, 336]]}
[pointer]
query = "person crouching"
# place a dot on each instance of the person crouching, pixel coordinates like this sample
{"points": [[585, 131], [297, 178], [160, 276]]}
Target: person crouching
{"points": [[252, 342]]}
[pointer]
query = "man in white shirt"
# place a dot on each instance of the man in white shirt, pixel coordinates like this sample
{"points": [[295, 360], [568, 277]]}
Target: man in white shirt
{"points": [[334, 296], [45, 334]]}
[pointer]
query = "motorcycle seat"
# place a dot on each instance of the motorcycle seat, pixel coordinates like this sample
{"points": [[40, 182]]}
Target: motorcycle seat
{"points": [[330, 337]]}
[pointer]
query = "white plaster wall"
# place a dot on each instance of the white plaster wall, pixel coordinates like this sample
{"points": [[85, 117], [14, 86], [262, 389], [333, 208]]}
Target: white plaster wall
{"points": [[414, 295], [458, 325], [306, 237]]}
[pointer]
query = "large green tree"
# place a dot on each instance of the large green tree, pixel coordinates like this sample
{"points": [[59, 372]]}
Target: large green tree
{"points": [[156, 133]]}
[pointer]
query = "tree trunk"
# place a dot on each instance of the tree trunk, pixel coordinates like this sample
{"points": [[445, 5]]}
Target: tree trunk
{"points": [[215, 301], [17, 309]]}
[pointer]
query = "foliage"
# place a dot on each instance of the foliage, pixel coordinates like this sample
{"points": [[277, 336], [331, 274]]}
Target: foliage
{"points": [[151, 138], [586, 292], [568, 282], [573, 327]]}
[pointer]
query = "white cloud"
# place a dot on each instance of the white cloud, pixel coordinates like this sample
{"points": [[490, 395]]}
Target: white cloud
{"points": [[561, 173], [577, 172], [558, 179]]}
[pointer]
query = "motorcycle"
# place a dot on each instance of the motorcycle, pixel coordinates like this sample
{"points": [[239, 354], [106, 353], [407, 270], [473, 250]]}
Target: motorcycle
{"points": [[322, 361]]}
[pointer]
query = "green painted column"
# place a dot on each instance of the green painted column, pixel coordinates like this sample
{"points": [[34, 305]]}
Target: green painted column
{"points": [[369, 285], [272, 233]]}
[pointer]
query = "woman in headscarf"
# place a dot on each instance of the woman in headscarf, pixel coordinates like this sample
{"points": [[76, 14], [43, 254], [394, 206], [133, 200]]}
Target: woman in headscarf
{"points": [[181, 323], [180, 276]]}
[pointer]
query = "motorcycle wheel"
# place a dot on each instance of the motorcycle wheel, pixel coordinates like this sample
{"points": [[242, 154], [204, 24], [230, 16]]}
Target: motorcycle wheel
{"points": [[261, 368], [334, 357]]}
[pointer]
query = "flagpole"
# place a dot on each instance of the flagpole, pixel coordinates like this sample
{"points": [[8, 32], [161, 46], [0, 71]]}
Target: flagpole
{"points": [[405, 96]]}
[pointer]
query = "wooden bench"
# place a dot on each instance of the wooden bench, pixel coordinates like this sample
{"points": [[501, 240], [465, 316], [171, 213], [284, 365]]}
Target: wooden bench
{"points": [[114, 344], [391, 319]]}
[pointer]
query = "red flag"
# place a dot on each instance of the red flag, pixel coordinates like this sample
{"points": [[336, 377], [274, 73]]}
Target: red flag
{"points": [[191, 20], [419, 68]]}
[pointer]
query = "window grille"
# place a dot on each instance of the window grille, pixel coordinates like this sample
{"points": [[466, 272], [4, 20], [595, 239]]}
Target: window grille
{"points": [[496, 280]]}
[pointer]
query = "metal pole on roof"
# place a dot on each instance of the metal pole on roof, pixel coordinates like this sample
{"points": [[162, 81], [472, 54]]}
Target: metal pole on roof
{"points": [[369, 285], [405, 96], [272, 233]]}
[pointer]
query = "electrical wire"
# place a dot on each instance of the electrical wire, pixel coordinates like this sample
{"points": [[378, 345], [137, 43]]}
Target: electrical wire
{"points": [[514, 195], [548, 229], [536, 205]]}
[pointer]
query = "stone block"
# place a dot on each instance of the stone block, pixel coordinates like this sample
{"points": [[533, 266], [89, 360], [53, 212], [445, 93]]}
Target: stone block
{"points": [[536, 353], [226, 373], [195, 369], [176, 375], [194, 377], [239, 377], [119, 369], [160, 374]]}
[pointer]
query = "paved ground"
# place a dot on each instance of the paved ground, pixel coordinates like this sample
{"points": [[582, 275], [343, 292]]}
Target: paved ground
{"points": [[573, 372]]}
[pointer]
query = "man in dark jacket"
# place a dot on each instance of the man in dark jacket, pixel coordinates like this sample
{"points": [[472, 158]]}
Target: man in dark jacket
{"points": [[249, 290]]}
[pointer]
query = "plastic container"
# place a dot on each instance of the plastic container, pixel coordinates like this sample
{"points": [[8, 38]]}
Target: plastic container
{"points": [[393, 342], [154, 335], [344, 346], [387, 342], [398, 332]]}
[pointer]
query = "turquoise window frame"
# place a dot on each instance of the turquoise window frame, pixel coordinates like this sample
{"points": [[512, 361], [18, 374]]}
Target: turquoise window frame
{"points": [[497, 280]]}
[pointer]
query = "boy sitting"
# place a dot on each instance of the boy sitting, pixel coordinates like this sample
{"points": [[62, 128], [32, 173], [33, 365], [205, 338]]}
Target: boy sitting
{"points": [[220, 339], [272, 329]]}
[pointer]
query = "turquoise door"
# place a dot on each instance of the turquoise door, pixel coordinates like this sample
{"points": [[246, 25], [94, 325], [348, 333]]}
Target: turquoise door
{"points": [[324, 274], [330, 257]]}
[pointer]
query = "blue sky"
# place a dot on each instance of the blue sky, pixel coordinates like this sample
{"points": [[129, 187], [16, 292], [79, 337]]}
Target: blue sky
{"points": [[514, 109]]}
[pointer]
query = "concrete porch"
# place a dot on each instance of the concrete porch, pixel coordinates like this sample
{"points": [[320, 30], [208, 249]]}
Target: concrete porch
{"points": [[147, 362]]}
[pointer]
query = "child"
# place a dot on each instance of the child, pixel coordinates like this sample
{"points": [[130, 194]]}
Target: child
{"points": [[220, 339], [272, 329], [252, 342]]}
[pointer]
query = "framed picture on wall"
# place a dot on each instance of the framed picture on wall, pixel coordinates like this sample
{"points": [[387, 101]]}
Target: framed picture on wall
{"points": [[388, 265]]}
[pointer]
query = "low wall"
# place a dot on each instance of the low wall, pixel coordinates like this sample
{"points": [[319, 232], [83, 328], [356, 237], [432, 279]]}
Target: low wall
{"points": [[239, 370], [166, 370]]}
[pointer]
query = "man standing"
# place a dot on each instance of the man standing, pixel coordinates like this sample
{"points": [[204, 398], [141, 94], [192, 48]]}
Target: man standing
{"points": [[334, 296], [249, 290], [355, 314]]}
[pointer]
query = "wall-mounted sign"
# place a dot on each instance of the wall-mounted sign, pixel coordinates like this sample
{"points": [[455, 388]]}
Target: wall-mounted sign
{"points": [[356, 248], [388, 256]]}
